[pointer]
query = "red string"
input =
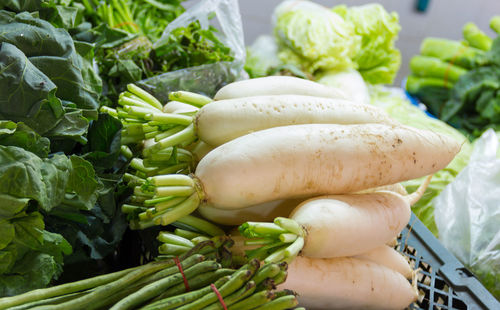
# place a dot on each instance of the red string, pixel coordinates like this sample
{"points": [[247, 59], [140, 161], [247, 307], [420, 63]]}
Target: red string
{"points": [[212, 286], [178, 263]]}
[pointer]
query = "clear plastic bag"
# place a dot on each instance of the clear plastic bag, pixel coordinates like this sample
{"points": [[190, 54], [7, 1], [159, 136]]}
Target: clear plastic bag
{"points": [[467, 213], [205, 79]]}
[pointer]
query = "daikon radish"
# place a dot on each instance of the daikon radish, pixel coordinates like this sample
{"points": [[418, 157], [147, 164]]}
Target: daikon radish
{"points": [[277, 85], [335, 225], [347, 283], [315, 159], [303, 161], [221, 121], [264, 212], [387, 256], [396, 187], [267, 211]]}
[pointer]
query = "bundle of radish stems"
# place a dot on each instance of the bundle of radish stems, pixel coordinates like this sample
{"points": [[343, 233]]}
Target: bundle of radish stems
{"points": [[311, 177]]}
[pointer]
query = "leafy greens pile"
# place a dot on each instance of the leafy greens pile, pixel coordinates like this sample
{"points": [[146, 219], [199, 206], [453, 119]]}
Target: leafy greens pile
{"points": [[460, 81], [316, 39], [58, 156], [60, 164]]}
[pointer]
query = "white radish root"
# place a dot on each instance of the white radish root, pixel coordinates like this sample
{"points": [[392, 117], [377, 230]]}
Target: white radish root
{"points": [[264, 212], [307, 160], [225, 120], [277, 85], [390, 258], [351, 224], [347, 283]]}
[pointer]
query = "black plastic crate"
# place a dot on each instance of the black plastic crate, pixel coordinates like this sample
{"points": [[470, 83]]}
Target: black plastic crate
{"points": [[443, 281]]}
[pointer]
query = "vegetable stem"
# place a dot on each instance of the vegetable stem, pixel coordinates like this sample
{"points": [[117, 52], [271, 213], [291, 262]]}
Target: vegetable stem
{"points": [[144, 95], [201, 225], [189, 98]]}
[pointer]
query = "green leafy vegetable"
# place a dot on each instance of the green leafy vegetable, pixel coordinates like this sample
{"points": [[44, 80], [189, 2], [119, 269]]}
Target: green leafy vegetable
{"points": [[377, 58], [191, 46], [313, 37], [54, 89]]}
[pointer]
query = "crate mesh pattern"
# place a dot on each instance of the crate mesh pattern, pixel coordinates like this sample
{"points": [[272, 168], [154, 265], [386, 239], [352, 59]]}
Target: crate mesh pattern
{"points": [[442, 281]]}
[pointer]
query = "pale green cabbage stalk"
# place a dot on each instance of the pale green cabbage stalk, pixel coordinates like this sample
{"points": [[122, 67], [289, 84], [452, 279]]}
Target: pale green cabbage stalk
{"points": [[349, 81], [393, 101], [377, 59], [313, 37]]}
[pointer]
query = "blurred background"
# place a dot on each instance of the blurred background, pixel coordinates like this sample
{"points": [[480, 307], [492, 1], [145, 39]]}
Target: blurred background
{"points": [[441, 18]]}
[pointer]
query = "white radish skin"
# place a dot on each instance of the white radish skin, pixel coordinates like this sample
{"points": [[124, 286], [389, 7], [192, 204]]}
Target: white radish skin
{"points": [[390, 258], [397, 188], [222, 121], [268, 211], [179, 107], [352, 224], [309, 160], [265, 212], [277, 85], [347, 225], [347, 283]]}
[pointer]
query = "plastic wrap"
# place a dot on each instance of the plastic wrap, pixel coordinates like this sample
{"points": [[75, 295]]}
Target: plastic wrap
{"points": [[205, 79], [467, 213]]}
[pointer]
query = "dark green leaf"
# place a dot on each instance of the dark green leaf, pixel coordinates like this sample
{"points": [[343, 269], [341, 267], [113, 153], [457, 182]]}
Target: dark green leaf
{"points": [[11, 205], [23, 174], [82, 180], [24, 137], [35, 270], [32, 94], [6, 233], [104, 142]]}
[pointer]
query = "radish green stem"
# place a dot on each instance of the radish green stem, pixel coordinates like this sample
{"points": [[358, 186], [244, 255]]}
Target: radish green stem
{"points": [[110, 111], [125, 151], [174, 190], [139, 92], [168, 237], [138, 111], [173, 201], [186, 233], [173, 169], [184, 208], [168, 133], [172, 179], [199, 239], [169, 118], [129, 101], [138, 164], [189, 98], [187, 135], [201, 225], [172, 249], [280, 241]]}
